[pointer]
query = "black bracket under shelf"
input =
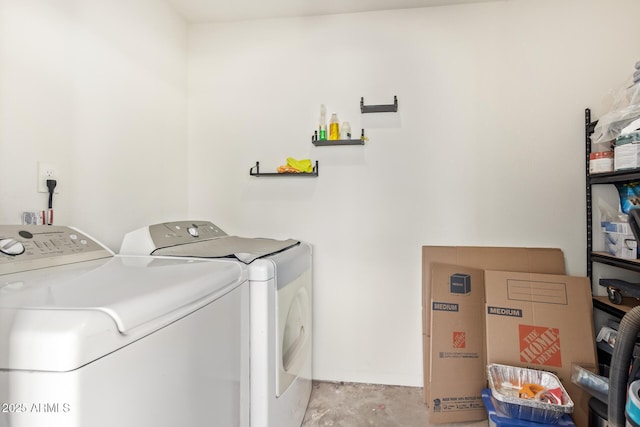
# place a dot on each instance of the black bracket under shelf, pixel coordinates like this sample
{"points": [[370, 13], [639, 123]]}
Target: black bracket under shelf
{"points": [[391, 108], [255, 171], [328, 143], [608, 308], [630, 175], [604, 258]]}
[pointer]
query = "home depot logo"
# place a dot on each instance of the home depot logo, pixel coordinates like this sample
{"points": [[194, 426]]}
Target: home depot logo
{"points": [[540, 345], [459, 340]]}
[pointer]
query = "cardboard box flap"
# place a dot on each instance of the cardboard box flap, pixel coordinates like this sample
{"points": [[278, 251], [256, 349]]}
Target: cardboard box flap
{"points": [[539, 312]]}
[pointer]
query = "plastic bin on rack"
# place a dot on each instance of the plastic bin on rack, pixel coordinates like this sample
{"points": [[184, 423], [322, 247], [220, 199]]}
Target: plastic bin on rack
{"points": [[497, 419]]}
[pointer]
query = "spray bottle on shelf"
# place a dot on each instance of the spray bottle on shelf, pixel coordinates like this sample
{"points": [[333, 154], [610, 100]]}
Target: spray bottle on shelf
{"points": [[345, 130], [322, 128], [334, 128]]}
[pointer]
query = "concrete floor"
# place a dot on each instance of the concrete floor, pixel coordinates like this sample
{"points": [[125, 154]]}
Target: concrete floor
{"points": [[356, 405]]}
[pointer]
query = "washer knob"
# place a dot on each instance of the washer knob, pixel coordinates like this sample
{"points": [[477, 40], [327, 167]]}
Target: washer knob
{"points": [[11, 247], [193, 231]]}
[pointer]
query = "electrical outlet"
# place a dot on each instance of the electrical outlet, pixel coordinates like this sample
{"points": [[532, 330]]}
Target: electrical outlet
{"points": [[46, 171]]}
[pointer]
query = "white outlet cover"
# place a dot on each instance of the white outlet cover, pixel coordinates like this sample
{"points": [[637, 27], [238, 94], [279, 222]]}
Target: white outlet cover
{"points": [[46, 170]]}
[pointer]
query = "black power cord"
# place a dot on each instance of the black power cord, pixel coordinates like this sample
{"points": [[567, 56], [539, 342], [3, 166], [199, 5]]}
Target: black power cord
{"points": [[51, 185]]}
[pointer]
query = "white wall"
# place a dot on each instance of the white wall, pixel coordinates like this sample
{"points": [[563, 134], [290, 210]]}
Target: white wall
{"points": [[99, 89], [486, 149]]}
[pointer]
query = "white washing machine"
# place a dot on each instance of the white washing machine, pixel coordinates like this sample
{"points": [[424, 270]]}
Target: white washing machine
{"points": [[89, 339], [281, 308]]}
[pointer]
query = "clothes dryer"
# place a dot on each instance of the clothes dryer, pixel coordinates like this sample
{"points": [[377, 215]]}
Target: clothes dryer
{"points": [[280, 285], [92, 339]]}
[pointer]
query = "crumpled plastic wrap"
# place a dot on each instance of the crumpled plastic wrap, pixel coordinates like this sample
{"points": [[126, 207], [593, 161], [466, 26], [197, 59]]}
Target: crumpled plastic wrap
{"points": [[625, 109], [596, 385]]}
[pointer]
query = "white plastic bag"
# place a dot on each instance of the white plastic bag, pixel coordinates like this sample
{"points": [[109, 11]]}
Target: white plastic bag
{"points": [[626, 108]]}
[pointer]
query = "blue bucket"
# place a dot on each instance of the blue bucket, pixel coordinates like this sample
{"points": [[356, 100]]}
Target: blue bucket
{"points": [[632, 409]]}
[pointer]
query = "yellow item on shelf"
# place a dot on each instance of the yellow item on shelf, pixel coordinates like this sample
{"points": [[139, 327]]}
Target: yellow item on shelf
{"points": [[334, 128], [300, 165]]}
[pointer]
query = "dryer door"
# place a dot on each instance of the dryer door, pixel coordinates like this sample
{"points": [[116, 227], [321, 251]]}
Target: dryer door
{"points": [[293, 354]]}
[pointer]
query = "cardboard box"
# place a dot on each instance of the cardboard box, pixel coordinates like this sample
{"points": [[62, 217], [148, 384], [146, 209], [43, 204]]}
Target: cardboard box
{"points": [[458, 367], [544, 322], [494, 258], [620, 245], [626, 156], [600, 162]]}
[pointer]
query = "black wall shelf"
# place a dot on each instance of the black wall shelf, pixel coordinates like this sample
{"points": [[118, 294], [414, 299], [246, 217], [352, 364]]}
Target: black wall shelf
{"points": [[336, 142], [391, 108], [255, 171]]}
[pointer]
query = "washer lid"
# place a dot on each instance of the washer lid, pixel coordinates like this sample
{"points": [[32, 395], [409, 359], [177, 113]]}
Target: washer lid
{"points": [[61, 318], [131, 290]]}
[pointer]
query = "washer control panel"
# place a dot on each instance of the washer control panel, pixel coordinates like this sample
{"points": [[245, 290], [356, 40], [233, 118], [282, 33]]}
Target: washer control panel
{"points": [[174, 233], [29, 247]]}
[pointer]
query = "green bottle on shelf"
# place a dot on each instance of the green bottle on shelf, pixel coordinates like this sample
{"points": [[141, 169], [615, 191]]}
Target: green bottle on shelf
{"points": [[322, 128]]}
